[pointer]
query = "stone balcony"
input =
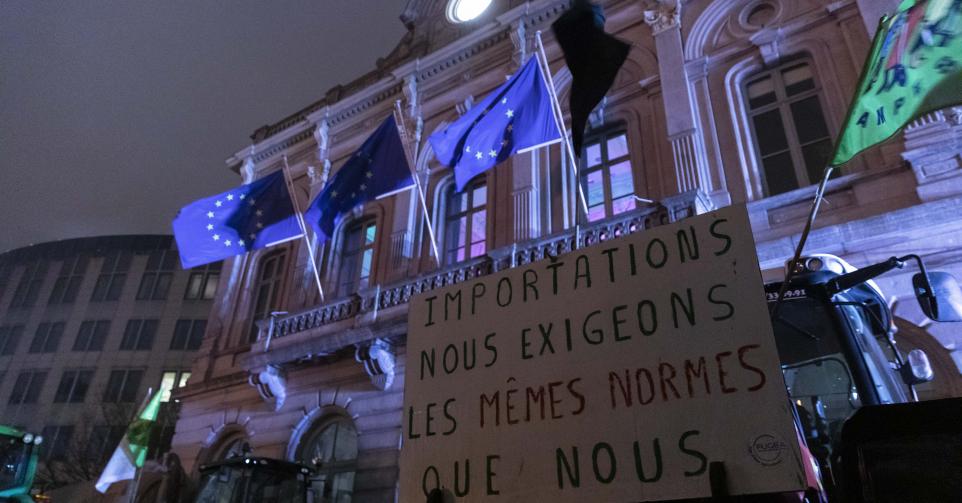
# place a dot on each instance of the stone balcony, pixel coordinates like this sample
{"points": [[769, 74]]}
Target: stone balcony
{"points": [[379, 313]]}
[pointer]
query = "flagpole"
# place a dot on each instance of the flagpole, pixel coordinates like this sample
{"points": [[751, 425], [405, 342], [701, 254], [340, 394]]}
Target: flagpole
{"points": [[402, 131], [289, 178], [559, 118], [138, 471]]}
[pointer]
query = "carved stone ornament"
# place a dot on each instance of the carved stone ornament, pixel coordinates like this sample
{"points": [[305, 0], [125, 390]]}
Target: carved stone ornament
{"points": [[271, 384], [247, 169], [379, 362], [662, 15]]}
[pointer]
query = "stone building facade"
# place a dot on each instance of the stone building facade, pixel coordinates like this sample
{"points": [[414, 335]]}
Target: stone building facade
{"points": [[87, 325], [720, 102]]}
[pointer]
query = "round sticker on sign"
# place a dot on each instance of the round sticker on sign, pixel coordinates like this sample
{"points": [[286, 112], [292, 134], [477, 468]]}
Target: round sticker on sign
{"points": [[767, 449]]}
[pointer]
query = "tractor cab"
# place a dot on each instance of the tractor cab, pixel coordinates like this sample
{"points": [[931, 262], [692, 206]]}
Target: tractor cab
{"points": [[18, 463], [248, 479]]}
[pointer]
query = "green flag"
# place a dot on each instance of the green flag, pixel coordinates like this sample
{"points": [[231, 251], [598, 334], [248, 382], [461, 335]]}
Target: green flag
{"points": [[913, 68], [132, 451]]}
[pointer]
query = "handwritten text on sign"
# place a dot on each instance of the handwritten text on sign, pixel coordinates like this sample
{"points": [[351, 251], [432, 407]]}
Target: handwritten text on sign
{"points": [[614, 373]]}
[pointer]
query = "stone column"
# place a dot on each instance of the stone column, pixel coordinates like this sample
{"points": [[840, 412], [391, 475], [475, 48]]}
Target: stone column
{"points": [[933, 146], [687, 144]]}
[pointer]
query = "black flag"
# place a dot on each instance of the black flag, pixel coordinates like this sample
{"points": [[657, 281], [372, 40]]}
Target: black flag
{"points": [[593, 57]]}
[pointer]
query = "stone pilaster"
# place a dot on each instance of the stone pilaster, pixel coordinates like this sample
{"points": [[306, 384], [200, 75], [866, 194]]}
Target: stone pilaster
{"points": [[525, 191], [933, 146]]}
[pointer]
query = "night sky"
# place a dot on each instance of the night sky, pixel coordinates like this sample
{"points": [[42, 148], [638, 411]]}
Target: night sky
{"points": [[115, 113]]}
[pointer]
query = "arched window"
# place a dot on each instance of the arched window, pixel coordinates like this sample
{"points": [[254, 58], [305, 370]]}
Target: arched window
{"points": [[606, 175], [792, 141], [268, 288], [331, 447], [232, 445], [357, 256], [465, 221]]}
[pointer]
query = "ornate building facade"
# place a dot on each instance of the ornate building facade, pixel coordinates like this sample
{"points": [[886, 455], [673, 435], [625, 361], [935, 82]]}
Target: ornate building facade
{"points": [[720, 102]]}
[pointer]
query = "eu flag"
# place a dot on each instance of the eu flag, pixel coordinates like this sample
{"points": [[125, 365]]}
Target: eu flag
{"points": [[250, 217], [516, 116], [379, 167]]}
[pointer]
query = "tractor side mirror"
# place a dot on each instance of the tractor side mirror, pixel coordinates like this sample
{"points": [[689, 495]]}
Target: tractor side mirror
{"points": [[917, 368], [939, 297]]}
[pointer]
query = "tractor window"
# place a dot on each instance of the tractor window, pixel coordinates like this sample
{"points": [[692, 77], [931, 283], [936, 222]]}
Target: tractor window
{"points": [[14, 461]]}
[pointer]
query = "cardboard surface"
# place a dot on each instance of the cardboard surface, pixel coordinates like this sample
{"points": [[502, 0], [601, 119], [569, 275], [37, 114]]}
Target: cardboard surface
{"points": [[614, 373]]}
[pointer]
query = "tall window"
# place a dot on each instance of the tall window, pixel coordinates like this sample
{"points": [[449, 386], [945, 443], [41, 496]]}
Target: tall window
{"points": [[91, 335], [29, 286], [73, 386], [170, 380], [68, 282], [139, 335], [28, 386], [57, 441], [10, 338], [606, 176], [47, 338], [202, 283], [465, 222], [332, 448], [791, 138], [270, 280], [357, 257], [113, 274], [122, 386], [155, 283], [188, 334]]}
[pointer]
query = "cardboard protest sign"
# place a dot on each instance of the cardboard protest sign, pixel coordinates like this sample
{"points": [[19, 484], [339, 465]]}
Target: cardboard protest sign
{"points": [[613, 373]]}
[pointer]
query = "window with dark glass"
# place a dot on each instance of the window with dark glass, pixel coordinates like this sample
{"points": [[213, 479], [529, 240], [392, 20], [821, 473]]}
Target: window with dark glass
{"points": [[357, 257], [188, 334], [28, 288], [47, 338], [270, 280], [113, 274], [606, 175], [10, 338], [103, 440], [202, 283], [28, 386], [122, 386], [73, 386], [68, 282], [91, 335], [792, 140], [56, 441], [6, 270], [331, 447], [155, 283], [139, 335], [465, 222]]}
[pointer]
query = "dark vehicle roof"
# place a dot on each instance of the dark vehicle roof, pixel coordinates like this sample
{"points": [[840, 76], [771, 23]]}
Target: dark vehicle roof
{"points": [[257, 462]]}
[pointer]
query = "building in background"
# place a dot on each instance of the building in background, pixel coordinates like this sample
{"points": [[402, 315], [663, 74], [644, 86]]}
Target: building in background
{"points": [[86, 327], [720, 102]]}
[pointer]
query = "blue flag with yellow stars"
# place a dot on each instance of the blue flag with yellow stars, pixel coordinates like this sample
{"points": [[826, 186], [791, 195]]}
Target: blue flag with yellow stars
{"points": [[250, 217], [379, 167], [515, 117]]}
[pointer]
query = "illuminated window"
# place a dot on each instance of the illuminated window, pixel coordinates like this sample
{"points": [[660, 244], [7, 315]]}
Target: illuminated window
{"points": [[331, 447], [460, 11], [28, 386], [113, 274], [606, 176], [270, 280], [170, 380], [155, 283], [792, 141], [465, 222], [47, 338], [68, 282], [357, 257], [202, 283], [91, 335]]}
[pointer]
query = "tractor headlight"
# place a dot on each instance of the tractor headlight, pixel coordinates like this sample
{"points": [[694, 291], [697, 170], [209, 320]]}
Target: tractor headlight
{"points": [[27, 438], [37, 440]]}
